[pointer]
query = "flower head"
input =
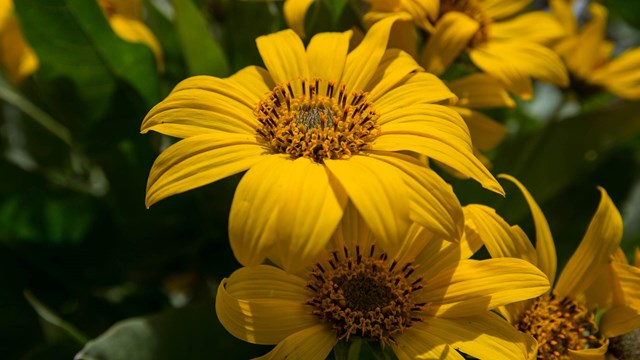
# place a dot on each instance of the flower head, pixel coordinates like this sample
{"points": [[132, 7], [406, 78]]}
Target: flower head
{"points": [[563, 320], [424, 300], [588, 54], [317, 127]]}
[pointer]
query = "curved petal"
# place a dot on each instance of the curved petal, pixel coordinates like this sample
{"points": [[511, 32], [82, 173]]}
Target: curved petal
{"points": [[283, 55], [363, 61], [202, 104], [545, 248], [135, 31], [313, 343], [483, 336], [589, 354], [380, 195], [485, 132], [629, 280], [308, 213], [536, 26], [419, 88], [419, 342], [480, 91], [294, 13], [500, 239], [621, 76], [619, 320], [451, 36], [582, 60], [404, 36], [200, 160], [17, 58], [498, 9], [255, 80], [263, 305], [471, 287], [600, 241], [515, 62], [437, 132], [352, 231], [562, 10], [395, 66], [433, 203], [328, 67]]}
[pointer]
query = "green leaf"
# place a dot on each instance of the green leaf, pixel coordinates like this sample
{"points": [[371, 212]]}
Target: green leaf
{"points": [[81, 57], [202, 53], [188, 333], [336, 7]]}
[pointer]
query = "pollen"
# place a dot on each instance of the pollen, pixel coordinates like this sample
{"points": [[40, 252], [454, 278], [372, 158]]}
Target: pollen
{"points": [[474, 10], [365, 294], [316, 119], [560, 326]]}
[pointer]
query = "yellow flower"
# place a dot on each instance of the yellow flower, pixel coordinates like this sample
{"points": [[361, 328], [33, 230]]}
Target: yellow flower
{"points": [[16, 57], [588, 55], [503, 44], [317, 127], [423, 301], [563, 320]]}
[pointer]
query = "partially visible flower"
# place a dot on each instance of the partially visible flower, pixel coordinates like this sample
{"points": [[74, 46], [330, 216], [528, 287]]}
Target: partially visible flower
{"points": [[425, 301], [588, 54], [317, 127], [294, 14], [563, 320], [501, 42], [16, 57]]}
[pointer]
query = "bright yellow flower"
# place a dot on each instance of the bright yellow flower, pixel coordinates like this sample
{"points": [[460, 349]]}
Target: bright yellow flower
{"points": [[16, 57], [423, 301], [563, 320], [317, 127], [588, 54], [499, 41]]}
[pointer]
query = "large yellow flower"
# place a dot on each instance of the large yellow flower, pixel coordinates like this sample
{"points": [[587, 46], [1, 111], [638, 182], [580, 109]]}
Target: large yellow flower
{"points": [[423, 301], [317, 127], [16, 57], [501, 42], [588, 55], [563, 320]]}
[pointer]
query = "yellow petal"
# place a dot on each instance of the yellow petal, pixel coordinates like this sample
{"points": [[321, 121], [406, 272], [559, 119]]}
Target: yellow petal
{"points": [[418, 88], [621, 76], [584, 59], [437, 132], [600, 241], [294, 14], [536, 26], [483, 336], [395, 66], [498, 9], [500, 239], [313, 343], [480, 91], [135, 31], [327, 54], [545, 248], [471, 287], [485, 132], [130, 8], [255, 80], [589, 354], [308, 213], [515, 62], [629, 280], [263, 305], [404, 36], [636, 257], [198, 161], [619, 320], [563, 11], [283, 55], [16, 57], [379, 193], [363, 61], [432, 201], [351, 231], [452, 35], [417, 342]]}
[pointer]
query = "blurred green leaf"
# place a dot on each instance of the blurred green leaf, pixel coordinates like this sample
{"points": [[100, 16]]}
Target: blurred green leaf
{"points": [[202, 53], [78, 52], [188, 333], [55, 328], [336, 7]]}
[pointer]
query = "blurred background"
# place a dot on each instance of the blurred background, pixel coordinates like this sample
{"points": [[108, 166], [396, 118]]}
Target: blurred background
{"points": [[81, 258]]}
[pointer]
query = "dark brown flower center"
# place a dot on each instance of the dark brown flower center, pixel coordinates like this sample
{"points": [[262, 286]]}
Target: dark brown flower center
{"points": [[474, 10], [365, 295], [560, 326], [317, 119]]}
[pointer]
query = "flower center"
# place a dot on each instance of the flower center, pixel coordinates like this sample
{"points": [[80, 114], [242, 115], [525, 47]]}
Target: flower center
{"points": [[318, 120], [474, 10], [560, 326], [365, 295], [627, 346]]}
